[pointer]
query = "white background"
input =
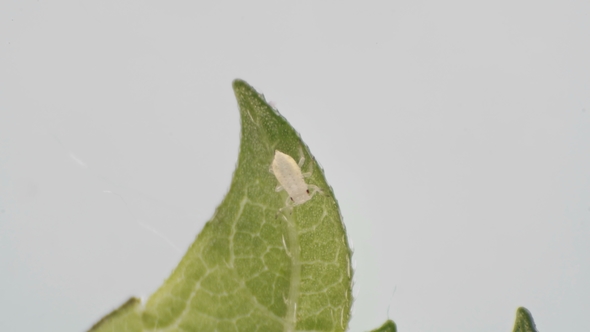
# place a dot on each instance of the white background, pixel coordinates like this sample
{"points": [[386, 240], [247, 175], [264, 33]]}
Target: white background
{"points": [[456, 137]]}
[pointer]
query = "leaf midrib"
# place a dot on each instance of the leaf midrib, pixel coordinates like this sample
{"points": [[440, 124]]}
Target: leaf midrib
{"points": [[294, 252]]}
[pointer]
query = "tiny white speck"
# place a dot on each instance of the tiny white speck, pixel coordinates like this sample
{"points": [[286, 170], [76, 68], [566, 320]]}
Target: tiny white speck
{"points": [[77, 160]]}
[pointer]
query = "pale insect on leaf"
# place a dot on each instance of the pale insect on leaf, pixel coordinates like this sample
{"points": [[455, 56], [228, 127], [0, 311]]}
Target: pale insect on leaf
{"points": [[290, 178]]}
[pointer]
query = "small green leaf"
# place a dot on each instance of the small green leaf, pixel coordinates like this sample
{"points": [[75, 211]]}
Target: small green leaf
{"points": [[388, 326], [524, 321], [256, 265]]}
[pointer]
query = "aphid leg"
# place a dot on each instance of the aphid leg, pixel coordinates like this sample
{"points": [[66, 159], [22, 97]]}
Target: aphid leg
{"points": [[313, 189], [278, 188], [307, 174], [301, 161]]}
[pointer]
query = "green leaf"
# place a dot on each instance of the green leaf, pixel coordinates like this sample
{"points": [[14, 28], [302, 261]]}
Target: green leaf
{"points": [[524, 321], [388, 326], [256, 265]]}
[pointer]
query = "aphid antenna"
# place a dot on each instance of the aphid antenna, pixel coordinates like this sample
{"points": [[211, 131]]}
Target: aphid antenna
{"points": [[390, 299], [285, 246]]}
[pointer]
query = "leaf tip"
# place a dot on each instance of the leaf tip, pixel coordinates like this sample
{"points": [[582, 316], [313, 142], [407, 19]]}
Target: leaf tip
{"points": [[388, 326], [524, 321], [239, 83]]}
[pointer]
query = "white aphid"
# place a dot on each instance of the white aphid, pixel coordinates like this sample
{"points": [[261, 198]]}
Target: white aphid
{"points": [[290, 178]]}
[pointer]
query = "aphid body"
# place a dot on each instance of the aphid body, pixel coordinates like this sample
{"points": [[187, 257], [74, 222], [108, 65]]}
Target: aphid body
{"points": [[290, 178]]}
